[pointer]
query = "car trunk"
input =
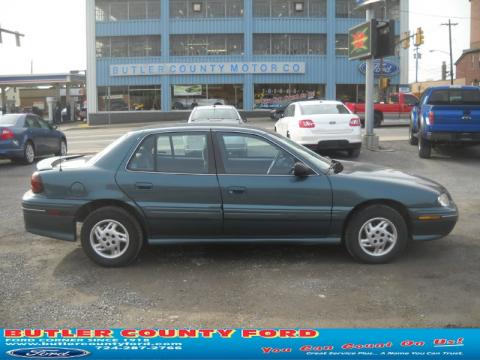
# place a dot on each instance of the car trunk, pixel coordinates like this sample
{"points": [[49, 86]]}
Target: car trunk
{"points": [[332, 123]]}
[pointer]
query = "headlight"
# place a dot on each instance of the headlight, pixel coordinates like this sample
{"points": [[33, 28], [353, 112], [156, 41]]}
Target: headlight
{"points": [[444, 200]]}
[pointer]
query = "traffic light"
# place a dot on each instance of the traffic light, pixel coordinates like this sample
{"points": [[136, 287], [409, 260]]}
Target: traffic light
{"points": [[406, 40], [419, 37], [384, 83]]}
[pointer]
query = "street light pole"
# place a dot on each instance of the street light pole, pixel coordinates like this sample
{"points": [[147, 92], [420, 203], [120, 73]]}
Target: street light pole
{"points": [[450, 24]]}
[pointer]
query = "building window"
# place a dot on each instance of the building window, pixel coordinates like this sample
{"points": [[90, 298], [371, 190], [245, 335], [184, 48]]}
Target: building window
{"points": [[271, 96], [341, 45], [206, 8], [198, 45], [350, 92], [289, 44], [186, 97], [129, 98], [290, 8], [127, 10], [128, 46], [346, 9]]}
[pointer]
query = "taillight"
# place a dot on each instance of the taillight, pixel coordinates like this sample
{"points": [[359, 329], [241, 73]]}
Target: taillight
{"points": [[431, 118], [6, 134], [36, 183], [355, 122], [306, 124]]}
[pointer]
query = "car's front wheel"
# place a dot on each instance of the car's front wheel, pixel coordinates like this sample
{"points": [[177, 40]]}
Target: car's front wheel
{"points": [[111, 237], [376, 234]]}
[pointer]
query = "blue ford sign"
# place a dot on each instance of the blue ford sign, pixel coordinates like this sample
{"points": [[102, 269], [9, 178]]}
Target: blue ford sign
{"points": [[48, 353], [388, 68]]}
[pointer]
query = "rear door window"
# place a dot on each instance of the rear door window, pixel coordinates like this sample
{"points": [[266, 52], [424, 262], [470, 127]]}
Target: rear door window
{"points": [[455, 97], [172, 153]]}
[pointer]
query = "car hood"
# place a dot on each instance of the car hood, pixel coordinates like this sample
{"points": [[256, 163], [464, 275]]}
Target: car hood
{"points": [[385, 174]]}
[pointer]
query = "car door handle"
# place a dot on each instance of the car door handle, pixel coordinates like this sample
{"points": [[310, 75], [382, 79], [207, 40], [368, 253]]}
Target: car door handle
{"points": [[143, 186], [236, 190]]}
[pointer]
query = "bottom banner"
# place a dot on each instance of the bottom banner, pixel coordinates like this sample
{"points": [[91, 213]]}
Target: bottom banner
{"points": [[159, 343]]}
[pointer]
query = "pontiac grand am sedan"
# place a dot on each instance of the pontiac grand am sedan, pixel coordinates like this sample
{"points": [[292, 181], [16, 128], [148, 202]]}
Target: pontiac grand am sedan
{"points": [[187, 184]]}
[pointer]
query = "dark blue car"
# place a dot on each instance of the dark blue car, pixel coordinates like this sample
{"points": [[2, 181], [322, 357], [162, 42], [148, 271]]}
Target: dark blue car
{"points": [[194, 183], [446, 115], [23, 137]]}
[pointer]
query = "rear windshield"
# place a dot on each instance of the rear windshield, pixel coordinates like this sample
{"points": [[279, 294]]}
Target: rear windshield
{"points": [[455, 97], [9, 120], [324, 109], [215, 114]]}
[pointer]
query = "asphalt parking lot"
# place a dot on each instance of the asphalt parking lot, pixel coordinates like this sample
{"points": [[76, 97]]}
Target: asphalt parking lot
{"points": [[50, 283]]}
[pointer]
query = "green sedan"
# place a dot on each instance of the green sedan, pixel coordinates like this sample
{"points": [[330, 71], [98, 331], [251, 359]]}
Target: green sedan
{"points": [[195, 183]]}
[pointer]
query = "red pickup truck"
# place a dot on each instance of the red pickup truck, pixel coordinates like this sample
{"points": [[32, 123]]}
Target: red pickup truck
{"points": [[398, 107]]}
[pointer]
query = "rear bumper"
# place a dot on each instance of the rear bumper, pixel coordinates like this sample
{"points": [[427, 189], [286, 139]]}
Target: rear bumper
{"points": [[423, 230], [50, 219], [453, 137], [334, 145], [10, 150]]}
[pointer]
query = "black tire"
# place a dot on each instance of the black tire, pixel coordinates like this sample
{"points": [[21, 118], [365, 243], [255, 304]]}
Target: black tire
{"points": [[59, 152], [412, 139], [129, 223], [354, 153], [424, 147], [355, 229], [377, 119], [28, 158]]}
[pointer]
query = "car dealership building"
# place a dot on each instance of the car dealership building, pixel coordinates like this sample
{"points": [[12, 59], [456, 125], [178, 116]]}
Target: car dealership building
{"points": [[158, 58]]}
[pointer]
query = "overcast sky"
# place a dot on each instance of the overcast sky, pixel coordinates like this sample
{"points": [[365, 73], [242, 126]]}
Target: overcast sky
{"points": [[55, 35]]}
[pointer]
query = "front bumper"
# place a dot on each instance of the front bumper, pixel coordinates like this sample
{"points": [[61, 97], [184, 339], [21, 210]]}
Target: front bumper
{"points": [[50, 218], [432, 224], [453, 137]]}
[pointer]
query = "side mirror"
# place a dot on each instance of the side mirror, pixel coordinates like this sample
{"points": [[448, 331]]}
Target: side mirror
{"points": [[301, 170]]}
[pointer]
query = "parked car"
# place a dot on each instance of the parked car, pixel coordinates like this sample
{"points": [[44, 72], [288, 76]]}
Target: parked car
{"points": [[23, 137], [149, 187], [322, 125], [397, 107], [277, 113], [216, 114], [446, 115]]}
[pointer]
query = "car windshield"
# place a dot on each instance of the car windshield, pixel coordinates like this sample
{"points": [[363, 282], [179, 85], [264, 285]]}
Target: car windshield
{"points": [[455, 97], [9, 120], [320, 161], [215, 114], [323, 109]]}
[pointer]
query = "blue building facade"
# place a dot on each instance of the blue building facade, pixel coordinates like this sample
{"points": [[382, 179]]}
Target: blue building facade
{"points": [[170, 55]]}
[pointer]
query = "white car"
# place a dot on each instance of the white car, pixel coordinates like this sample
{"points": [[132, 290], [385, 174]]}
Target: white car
{"points": [[322, 125], [215, 114]]}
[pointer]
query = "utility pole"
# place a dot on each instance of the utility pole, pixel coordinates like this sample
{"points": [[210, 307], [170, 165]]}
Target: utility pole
{"points": [[16, 33], [417, 57], [450, 24]]}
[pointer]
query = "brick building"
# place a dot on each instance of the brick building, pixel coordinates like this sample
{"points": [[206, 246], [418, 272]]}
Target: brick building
{"points": [[468, 65]]}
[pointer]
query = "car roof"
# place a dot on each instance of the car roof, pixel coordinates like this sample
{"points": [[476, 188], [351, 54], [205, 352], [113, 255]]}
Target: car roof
{"points": [[448, 87], [318, 102], [214, 107], [199, 126]]}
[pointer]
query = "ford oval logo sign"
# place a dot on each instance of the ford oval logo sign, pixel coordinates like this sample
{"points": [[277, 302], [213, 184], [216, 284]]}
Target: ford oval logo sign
{"points": [[388, 69], [48, 353]]}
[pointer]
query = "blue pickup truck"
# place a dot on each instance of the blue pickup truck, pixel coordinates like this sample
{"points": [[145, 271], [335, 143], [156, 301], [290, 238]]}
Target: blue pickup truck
{"points": [[445, 115]]}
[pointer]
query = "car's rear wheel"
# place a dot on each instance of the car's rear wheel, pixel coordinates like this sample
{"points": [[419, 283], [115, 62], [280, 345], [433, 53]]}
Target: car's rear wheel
{"points": [[424, 147], [28, 153], [354, 153], [376, 234], [111, 237], [62, 151]]}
